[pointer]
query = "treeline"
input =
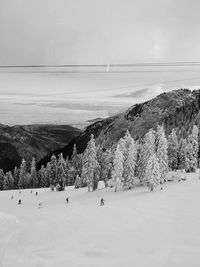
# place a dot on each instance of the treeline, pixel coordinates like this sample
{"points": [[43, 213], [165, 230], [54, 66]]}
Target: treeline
{"points": [[122, 165]]}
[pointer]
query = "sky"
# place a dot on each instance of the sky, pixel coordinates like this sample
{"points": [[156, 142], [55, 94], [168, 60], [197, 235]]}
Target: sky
{"points": [[99, 32], [35, 32]]}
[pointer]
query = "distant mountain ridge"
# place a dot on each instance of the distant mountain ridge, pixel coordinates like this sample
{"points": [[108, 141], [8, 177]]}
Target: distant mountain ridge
{"points": [[26, 141], [177, 109]]}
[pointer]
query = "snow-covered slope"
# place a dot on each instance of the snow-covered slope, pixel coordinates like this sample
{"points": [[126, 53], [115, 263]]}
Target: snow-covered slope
{"points": [[134, 228], [7, 227]]}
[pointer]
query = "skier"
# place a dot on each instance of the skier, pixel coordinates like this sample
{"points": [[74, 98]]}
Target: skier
{"points": [[12, 197], [102, 202], [19, 202], [31, 191], [36, 193], [40, 205], [67, 200], [19, 192]]}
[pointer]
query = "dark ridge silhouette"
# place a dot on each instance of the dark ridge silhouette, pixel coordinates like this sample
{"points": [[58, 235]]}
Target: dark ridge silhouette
{"points": [[26, 141]]}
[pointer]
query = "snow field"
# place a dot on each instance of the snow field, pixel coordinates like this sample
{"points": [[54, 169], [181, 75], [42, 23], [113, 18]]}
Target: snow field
{"points": [[134, 228]]}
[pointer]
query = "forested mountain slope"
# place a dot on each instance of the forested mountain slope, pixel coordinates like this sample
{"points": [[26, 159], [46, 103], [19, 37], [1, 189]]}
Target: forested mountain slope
{"points": [[177, 109], [19, 142]]}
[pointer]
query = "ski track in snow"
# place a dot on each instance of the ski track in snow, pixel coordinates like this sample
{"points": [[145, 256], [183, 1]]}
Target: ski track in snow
{"points": [[134, 228]]}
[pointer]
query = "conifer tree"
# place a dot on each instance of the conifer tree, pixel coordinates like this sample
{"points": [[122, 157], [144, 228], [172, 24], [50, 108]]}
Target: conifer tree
{"points": [[130, 152], [173, 150], [74, 156], [140, 162], [118, 168], [1, 179], [105, 164], [71, 174], [39, 177], [122, 145], [42, 176], [147, 149], [79, 164], [22, 183], [78, 182], [192, 151], [182, 153], [33, 174], [16, 177], [90, 165], [101, 160], [8, 181], [53, 170], [108, 166], [162, 152], [76, 163], [152, 172], [48, 173], [61, 172], [68, 163]]}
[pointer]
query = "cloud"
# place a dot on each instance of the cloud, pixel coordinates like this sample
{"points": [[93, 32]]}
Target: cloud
{"points": [[136, 94]]}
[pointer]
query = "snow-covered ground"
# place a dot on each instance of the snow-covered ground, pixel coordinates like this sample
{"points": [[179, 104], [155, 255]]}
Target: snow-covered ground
{"points": [[134, 228]]}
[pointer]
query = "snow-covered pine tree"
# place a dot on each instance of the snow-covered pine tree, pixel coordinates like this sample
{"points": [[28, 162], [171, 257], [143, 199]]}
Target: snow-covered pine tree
{"points": [[147, 149], [104, 161], [8, 181], [39, 177], [44, 181], [68, 174], [76, 163], [192, 151], [22, 183], [1, 179], [33, 174], [48, 173], [29, 182], [78, 182], [173, 150], [152, 172], [16, 177], [90, 165], [122, 145], [79, 163], [53, 170], [161, 152], [61, 172], [140, 161], [182, 153], [118, 167], [108, 166], [71, 176], [100, 159], [130, 153], [74, 156]]}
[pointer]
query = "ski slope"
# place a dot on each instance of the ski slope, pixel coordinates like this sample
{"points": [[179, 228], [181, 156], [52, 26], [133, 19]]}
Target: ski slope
{"points": [[134, 228]]}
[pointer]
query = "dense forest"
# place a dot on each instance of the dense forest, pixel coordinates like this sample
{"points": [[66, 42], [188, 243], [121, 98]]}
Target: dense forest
{"points": [[146, 161], [177, 109]]}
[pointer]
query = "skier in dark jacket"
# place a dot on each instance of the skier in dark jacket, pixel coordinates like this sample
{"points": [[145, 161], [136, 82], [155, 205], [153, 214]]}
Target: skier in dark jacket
{"points": [[102, 202], [19, 202], [67, 200]]}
